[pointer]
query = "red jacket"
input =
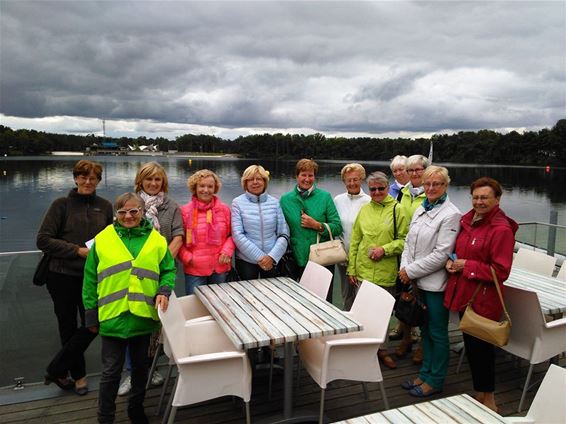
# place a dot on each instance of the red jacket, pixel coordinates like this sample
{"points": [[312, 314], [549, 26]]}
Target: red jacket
{"points": [[489, 241]]}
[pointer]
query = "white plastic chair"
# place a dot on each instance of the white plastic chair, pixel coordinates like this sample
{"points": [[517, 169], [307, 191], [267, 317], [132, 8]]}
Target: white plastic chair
{"points": [[532, 338], [316, 278], [562, 272], [549, 404], [207, 362], [352, 356], [534, 261]]}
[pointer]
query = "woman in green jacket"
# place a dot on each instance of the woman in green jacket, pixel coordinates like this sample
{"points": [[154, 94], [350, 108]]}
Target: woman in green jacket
{"points": [[378, 238], [307, 208], [128, 274]]}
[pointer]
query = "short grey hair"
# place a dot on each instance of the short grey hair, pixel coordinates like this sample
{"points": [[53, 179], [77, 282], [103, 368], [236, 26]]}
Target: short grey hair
{"points": [[399, 160], [417, 159], [378, 176], [122, 199]]}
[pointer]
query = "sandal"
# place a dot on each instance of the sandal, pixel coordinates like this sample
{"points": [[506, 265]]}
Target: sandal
{"points": [[417, 391], [410, 384], [386, 360]]}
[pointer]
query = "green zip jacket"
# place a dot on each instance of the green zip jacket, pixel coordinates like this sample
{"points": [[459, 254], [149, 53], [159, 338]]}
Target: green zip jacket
{"points": [[318, 205], [374, 228], [411, 204], [125, 325]]}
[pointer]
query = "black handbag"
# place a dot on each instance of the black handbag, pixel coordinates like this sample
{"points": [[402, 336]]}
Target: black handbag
{"points": [[409, 308], [41, 271]]}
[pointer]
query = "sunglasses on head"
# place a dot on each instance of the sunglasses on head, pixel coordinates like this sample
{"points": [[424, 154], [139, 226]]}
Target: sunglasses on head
{"points": [[377, 188]]}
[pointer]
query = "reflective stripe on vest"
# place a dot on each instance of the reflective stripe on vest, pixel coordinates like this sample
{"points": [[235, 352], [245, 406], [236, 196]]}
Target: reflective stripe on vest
{"points": [[126, 283]]}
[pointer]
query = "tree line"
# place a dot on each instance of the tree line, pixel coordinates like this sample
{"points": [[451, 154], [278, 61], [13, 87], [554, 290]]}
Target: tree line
{"points": [[544, 147]]}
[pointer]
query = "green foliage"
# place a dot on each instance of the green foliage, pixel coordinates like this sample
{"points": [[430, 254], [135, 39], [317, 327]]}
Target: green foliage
{"points": [[545, 147]]}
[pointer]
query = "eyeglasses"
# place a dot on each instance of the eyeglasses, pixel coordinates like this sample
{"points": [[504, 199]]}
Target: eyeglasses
{"points": [[415, 170], [377, 188], [434, 184], [482, 198], [133, 212], [82, 178]]}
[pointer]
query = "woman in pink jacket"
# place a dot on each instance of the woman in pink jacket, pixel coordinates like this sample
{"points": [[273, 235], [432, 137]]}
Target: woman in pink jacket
{"points": [[208, 247]]}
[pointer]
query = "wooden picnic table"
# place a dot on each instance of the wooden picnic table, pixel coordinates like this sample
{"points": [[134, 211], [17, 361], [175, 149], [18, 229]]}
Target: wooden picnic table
{"points": [[273, 311], [551, 291], [457, 409]]}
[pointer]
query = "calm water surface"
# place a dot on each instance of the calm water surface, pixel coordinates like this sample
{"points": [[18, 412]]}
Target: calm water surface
{"points": [[30, 184]]}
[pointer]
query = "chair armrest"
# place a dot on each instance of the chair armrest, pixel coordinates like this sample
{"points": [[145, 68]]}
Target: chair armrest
{"points": [[555, 323], [354, 341], [208, 337], [210, 357], [199, 319]]}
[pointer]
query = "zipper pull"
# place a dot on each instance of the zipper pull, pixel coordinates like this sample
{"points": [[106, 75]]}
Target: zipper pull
{"points": [[474, 241], [484, 288]]}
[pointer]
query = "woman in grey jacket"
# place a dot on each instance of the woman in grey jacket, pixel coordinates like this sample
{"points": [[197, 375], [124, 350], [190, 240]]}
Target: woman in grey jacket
{"points": [[259, 229], [430, 241]]}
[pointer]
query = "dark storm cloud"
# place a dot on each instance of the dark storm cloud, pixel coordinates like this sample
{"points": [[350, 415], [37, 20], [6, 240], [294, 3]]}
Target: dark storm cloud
{"points": [[329, 66]]}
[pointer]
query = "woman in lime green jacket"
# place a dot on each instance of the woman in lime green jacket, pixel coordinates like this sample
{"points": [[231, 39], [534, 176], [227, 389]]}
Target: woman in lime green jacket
{"points": [[378, 238]]}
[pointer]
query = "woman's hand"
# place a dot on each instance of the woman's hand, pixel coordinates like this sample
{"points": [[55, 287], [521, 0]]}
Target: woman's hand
{"points": [[93, 329], [83, 252], [376, 253], [163, 301], [403, 276], [353, 280], [265, 263], [224, 259], [309, 222], [456, 266]]}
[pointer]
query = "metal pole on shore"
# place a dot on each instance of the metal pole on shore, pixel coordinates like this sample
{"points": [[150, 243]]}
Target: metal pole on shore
{"points": [[551, 245]]}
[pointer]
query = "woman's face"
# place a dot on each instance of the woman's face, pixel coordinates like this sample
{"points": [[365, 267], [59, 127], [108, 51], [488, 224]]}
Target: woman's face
{"points": [[86, 184], [353, 182], [434, 187], [416, 174], [305, 179], [484, 200], [205, 189], [152, 185], [255, 185], [400, 174], [378, 190], [129, 215]]}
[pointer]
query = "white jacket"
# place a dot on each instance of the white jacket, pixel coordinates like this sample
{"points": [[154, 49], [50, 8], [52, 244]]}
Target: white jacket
{"points": [[431, 238], [348, 206]]}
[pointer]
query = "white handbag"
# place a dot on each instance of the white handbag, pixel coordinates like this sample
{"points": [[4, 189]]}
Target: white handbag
{"points": [[329, 252]]}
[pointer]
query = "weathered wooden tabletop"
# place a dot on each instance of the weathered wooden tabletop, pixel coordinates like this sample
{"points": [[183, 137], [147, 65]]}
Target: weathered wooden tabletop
{"points": [[268, 311], [457, 409], [551, 291]]}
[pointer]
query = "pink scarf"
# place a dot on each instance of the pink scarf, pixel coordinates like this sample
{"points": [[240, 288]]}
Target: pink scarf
{"points": [[195, 207]]}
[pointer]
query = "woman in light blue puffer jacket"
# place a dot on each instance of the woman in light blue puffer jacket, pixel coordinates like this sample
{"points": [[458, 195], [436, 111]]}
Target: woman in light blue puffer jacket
{"points": [[259, 229]]}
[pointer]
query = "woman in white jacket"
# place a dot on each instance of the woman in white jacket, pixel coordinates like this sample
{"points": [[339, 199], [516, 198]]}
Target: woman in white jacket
{"points": [[430, 241], [259, 229]]}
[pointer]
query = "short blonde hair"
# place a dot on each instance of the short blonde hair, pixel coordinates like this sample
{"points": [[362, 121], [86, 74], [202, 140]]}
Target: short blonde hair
{"points": [[399, 160], [194, 179], [438, 170], [306, 165], [353, 167], [149, 170], [250, 172]]}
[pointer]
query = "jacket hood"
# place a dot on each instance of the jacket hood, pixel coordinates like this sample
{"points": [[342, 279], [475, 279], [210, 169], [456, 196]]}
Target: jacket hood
{"points": [[387, 201], [145, 227]]}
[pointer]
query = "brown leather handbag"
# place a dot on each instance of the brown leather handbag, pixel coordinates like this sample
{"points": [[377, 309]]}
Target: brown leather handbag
{"points": [[494, 332]]}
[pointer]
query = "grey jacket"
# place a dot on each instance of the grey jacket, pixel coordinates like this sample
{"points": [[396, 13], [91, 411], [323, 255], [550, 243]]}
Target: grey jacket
{"points": [[170, 219], [431, 238]]}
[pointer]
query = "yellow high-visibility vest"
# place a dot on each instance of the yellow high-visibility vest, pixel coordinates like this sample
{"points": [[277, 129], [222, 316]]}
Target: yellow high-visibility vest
{"points": [[126, 283]]}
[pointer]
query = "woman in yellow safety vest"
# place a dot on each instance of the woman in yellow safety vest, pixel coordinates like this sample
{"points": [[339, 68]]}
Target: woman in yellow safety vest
{"points": [[129, 272]]}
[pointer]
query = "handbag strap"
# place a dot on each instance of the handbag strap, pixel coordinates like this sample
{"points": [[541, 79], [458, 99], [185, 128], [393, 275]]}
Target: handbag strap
{"points": [[500, 295], [329, 233], [395, 233]]}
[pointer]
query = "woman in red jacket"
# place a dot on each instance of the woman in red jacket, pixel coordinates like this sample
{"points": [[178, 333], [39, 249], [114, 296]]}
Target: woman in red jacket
{"points": [[486, 239]]}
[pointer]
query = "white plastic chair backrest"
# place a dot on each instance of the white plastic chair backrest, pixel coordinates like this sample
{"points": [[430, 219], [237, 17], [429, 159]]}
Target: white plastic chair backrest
{"points": [[534, 261], [316, 278], [192, 307], [372, 307], [173, 322], [549, 404], [562, 272]]}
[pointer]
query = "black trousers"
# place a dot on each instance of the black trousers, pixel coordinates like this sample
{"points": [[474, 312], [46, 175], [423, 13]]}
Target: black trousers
{"points": [[113, 354], [481, 357], [66, 293], [249, 271]]}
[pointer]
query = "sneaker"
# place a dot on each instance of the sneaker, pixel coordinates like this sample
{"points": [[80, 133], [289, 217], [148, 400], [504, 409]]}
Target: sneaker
{"points": [[125, 387], [157, 379]]}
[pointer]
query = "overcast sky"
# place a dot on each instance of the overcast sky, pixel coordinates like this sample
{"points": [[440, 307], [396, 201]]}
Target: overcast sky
{"points": [[229, 68]]}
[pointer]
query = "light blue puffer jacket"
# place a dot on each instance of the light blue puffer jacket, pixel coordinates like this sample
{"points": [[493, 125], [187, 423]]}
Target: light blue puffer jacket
{"points": [[258, 227]]}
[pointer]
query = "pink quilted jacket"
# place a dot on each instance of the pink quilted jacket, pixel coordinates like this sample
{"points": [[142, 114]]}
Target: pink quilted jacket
{"points": [[201, 258]]}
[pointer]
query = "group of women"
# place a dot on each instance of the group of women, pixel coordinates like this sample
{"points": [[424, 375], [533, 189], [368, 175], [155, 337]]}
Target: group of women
{"points": [[115, 271]]}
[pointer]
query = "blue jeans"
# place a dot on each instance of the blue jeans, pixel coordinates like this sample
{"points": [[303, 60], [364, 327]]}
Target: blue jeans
{"points": [[192, 281]]}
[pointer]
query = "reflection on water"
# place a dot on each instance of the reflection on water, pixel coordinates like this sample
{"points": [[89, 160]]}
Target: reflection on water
{"points": [[29, 185]]}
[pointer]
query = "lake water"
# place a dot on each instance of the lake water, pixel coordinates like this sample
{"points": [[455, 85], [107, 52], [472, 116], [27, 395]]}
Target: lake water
{"points": [[30, 184]]}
